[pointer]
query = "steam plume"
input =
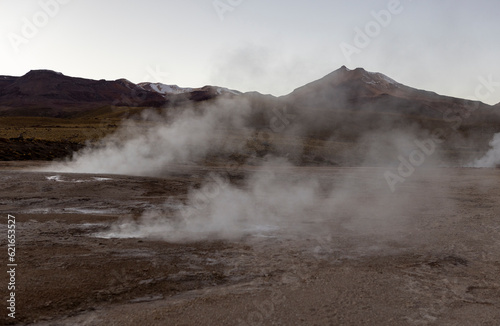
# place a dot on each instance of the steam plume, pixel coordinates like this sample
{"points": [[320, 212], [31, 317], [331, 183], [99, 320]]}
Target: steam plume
{"points": [[272, 197], [492, 157]]}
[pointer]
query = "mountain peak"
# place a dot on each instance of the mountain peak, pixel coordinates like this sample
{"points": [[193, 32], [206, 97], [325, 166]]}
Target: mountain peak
{"points": [[349, 86], [371, 78], [358, 81], [42, 72], [345, 70]]}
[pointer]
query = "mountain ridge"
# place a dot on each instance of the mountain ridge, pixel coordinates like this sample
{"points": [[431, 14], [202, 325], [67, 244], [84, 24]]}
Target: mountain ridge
{"points": [[342, 110], [52, 94], [49, 93]]}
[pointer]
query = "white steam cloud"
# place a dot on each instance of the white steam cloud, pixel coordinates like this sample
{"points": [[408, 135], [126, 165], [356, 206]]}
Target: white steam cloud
{"points": [[492, 158], [276, 196], [221, 210], [146, 151]]}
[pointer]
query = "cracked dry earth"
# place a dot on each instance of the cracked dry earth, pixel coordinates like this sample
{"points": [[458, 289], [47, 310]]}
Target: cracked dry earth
{"points": [[440, 267]]}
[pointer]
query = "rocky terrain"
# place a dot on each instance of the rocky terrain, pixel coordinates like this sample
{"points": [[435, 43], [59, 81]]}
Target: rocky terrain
{"points": [[437, 264]]}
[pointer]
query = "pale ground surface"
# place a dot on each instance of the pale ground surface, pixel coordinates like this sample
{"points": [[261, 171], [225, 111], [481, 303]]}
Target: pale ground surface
{"points": [[441, 266]]}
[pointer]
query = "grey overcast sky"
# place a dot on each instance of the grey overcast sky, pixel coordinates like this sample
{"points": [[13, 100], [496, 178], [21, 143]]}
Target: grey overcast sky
{"points": [[270, 46]]}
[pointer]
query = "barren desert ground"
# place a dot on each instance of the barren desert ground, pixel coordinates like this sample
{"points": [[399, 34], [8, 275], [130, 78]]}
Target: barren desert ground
{"points": [[435, 261]]}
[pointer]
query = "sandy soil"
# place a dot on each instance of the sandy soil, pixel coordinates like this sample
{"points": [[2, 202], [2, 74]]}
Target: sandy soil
{"points": [[441, 267]]}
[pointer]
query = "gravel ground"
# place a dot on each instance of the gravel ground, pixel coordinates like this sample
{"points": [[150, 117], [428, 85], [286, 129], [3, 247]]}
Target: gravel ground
{"points": [[436, 261]]}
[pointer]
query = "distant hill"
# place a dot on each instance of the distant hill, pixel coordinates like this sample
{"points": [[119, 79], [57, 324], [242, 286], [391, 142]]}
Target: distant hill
{"points": [[360, 90], [47, 93], [347, 103]]}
